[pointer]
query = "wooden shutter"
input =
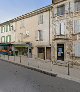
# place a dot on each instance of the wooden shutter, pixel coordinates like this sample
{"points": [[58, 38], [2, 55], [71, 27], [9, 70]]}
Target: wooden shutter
{"points": [[62, 28], [37, 35]]}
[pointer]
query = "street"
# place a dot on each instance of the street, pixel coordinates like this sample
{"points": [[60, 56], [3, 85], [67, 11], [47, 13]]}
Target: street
{"points": [[14, 78]]}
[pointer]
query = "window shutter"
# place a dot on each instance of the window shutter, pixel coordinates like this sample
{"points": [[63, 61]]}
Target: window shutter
{"points": [[9, 38], [77, 26], [40, 19], [67, 8], [57, 28], [6, 28], [77, 49], [37, 35], [3, 39], [71, 6], [62, 28], [40, 35]]}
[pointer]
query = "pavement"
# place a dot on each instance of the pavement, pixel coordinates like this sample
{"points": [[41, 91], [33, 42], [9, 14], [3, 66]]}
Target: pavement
{"points": [[46, 67], [14, 78]]}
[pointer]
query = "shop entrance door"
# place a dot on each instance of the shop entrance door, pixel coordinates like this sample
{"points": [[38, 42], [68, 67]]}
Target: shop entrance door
{"points": [[60, 52]]}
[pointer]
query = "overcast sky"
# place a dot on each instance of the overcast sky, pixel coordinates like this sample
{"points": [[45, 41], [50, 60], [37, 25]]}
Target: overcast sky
{"points": [[10, 9]]}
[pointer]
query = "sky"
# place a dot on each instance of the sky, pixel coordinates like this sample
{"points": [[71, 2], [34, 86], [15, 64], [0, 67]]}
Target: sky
{"points": [[10, 9]]}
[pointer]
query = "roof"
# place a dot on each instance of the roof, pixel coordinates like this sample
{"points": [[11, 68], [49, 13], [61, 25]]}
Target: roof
{"points": [[30, 14]]}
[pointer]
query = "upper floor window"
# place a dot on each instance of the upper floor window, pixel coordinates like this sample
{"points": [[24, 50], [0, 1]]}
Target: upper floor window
{"points": [[2, 29], [61, 10], [39, 35], [3, 39], [8, 38], [40, 19], [8, 28], [77, 5], [60, 28]]}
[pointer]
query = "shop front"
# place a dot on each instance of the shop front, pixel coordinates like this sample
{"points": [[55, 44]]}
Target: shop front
{"points": [[23, 49], [44, 53], [6, 49]]}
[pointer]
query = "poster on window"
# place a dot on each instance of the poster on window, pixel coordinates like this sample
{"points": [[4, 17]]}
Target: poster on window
{"points": [[60, 51]]}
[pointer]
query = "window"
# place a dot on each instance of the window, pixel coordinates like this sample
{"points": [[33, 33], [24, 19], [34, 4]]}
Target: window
{"points": [[76, 26], [60, 28], [61, 10], [77, 5], [8, 28], [40, 19], [1, 29], [12, 27], [39, 35], [8, 38], [3, 39]]}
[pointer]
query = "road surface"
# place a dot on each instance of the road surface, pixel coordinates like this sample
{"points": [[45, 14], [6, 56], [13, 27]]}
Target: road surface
{"points": [[14, 78]]}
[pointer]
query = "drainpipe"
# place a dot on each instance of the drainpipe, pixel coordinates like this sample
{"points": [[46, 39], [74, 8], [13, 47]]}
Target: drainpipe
{"points": [[49, 27]]}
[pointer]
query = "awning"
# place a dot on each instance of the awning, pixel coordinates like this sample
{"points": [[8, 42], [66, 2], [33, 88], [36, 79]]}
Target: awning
{"points": [[21, 45], [3, 44]]}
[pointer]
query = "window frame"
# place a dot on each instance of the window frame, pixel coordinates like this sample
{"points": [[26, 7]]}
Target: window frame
{"points": [[59, 10]]}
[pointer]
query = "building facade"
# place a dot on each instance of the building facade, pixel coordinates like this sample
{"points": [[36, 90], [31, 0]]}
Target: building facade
{"points": [[50, 33], [66, 30], [32, 34]]}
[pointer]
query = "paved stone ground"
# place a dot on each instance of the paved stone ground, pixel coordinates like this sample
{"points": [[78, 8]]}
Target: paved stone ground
{"points": [[47, 66], [14, 78]]}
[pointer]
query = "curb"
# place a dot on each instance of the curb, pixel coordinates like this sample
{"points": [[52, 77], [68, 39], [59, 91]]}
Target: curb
{"points": [[35, 69]]}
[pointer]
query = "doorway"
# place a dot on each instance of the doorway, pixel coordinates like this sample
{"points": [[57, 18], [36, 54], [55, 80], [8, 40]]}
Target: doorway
{"points": [[41, 52], [48, 53], [60, 52]]}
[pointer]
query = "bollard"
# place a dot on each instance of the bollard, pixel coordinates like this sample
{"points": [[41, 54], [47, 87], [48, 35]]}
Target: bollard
{"points": [[8, 57], [68, 69], [14, 57], [28, 63], [4, 56], [20, 59]]}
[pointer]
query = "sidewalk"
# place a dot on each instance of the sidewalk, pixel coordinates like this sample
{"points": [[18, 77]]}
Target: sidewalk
{"points": [[46, 66]]}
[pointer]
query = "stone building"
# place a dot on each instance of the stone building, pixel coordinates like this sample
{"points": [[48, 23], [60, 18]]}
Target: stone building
{"points": [[32, 33], [66, 30]]}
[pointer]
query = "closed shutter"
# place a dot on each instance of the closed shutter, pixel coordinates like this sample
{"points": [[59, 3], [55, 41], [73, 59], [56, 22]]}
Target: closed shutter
{"points": [[40, 19], [71, 6], [67, 8], [77, 26], [37, 35], [77, 49], [55, 12]]}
